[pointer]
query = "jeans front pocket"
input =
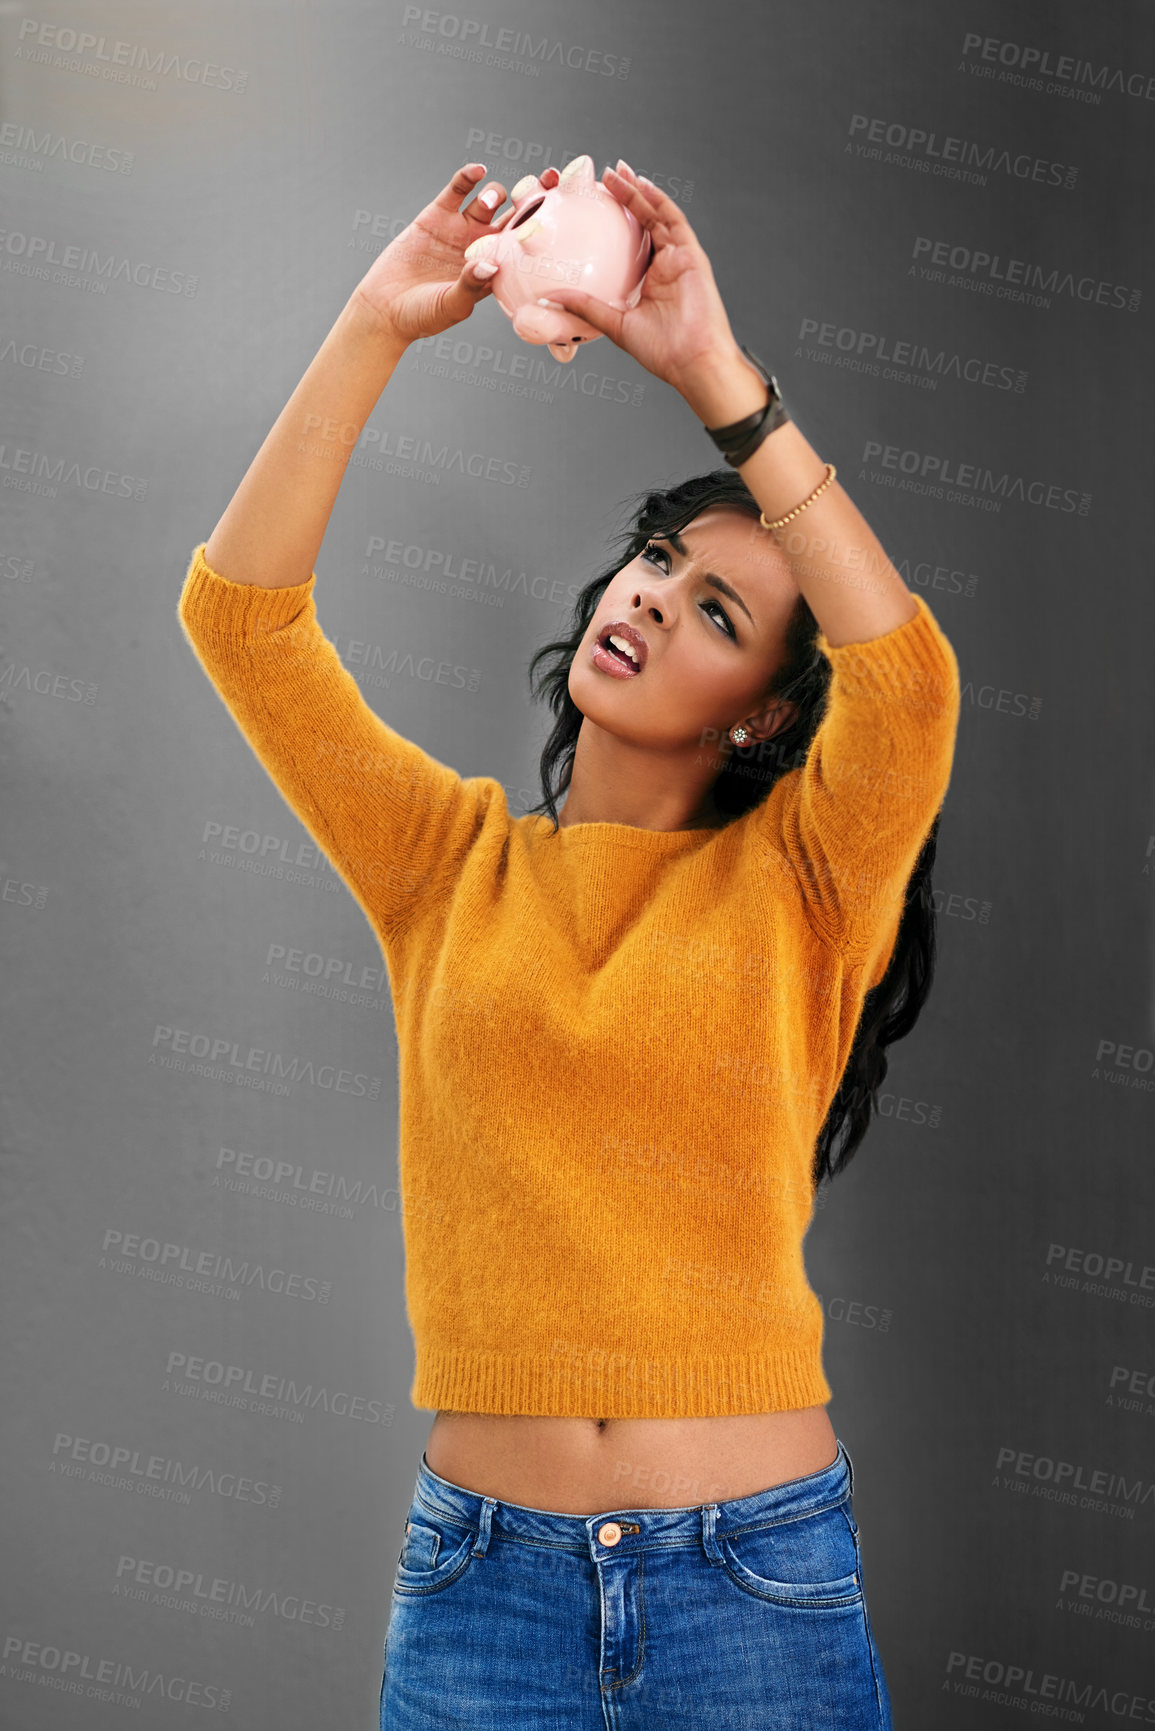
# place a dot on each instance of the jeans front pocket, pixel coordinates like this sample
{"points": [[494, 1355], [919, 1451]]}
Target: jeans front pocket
{"points": [[810, 1561], [436, 1552]]}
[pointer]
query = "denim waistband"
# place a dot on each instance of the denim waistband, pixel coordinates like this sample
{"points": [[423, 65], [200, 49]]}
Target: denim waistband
{"points": [[696, 1523]]}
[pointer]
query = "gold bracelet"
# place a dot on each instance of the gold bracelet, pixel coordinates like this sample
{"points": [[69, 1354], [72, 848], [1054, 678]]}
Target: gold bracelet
{"points": [[831, 471]]}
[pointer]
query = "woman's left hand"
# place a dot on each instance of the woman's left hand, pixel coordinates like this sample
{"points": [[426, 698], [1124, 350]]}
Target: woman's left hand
{"points": [[679, 329]]}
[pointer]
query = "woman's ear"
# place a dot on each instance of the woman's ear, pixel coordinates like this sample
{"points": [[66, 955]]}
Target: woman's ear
{"points": [[778, 713]]}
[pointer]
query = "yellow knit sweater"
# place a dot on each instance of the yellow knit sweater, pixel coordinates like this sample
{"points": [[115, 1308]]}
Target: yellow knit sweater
{"points": [[616, 1046]]}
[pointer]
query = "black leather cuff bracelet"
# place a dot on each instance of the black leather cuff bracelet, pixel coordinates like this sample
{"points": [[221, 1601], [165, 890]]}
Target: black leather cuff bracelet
{"points": [[738, 441]]}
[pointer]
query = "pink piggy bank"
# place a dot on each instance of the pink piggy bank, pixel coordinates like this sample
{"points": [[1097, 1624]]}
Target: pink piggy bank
{"points": [[577, 234]]}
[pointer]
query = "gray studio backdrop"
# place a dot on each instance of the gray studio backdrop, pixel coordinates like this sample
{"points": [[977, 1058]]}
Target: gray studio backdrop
{"points": [[930, 222]]}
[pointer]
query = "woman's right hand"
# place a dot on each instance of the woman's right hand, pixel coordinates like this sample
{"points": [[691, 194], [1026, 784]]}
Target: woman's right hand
{"points": [[421, 284]]}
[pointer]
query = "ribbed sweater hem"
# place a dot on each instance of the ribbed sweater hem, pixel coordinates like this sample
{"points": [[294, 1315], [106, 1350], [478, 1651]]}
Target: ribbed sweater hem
{"points": [[618, 1385]]}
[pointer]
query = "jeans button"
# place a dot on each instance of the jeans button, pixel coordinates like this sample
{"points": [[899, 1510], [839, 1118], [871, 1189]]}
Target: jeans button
{"points": [[610, 1533]]}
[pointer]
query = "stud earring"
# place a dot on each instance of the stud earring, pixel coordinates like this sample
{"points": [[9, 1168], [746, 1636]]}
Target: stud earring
{"points": [[739, 734]]}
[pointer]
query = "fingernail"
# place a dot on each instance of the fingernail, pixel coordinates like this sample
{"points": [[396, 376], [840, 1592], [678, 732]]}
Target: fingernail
{"points": [[490, 199], [622, 163], [484, 268], [555, 305]]}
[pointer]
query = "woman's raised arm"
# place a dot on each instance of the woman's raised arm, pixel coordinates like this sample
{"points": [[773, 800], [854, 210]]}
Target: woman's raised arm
{"points": [[395, 822], [273, 527]]}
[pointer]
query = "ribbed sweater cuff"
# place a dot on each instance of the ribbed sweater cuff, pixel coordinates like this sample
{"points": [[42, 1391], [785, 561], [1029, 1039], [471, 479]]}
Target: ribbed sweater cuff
{"points": [[237, 612], [914, 665]]}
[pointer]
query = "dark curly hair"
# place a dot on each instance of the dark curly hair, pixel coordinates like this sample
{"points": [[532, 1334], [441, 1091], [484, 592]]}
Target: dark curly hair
{"points": [[890, 1008]]}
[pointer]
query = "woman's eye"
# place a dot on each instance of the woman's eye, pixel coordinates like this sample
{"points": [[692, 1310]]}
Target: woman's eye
{"points": [[726, 625], [651, 549]]}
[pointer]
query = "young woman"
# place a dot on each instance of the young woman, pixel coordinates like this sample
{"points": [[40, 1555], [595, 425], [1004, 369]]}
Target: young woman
{"points": [[631, 1033]]}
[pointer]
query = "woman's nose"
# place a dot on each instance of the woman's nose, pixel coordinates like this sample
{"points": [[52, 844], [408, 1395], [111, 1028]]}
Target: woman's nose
{"points": [[651, 607]]}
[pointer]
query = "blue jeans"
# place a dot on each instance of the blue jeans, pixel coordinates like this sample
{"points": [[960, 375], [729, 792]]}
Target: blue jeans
{"points": [[744, 1614]]}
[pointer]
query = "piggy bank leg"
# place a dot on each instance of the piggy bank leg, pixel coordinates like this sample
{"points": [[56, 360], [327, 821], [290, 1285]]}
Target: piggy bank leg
{"points": [[542, 325], [527, 184]]}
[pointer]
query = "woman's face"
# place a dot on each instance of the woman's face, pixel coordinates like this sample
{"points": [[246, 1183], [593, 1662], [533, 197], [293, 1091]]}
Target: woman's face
{"points": [[712, 603]]}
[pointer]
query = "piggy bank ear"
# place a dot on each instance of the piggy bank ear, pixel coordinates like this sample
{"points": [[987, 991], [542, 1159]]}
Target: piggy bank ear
{"points": [[577, 175]]}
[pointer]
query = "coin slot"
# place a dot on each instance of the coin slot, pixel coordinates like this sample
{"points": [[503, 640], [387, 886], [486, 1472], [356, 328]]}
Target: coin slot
{"points": [[523, 215]]}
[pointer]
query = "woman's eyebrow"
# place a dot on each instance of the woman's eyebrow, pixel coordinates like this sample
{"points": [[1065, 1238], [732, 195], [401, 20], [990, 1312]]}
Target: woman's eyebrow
{"points": [[676, 541]]}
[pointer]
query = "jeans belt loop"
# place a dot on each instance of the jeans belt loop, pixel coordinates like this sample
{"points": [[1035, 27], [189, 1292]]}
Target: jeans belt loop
{"points": [[709, 1541], [488, 1504]]}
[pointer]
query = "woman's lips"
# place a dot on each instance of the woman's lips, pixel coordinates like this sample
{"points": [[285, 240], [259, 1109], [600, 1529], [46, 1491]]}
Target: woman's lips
{"points": [[611, 660]]}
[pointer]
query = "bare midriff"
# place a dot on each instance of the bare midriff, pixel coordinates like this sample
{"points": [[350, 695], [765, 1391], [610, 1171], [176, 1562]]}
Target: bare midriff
{"points": [[584, 1466]]}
